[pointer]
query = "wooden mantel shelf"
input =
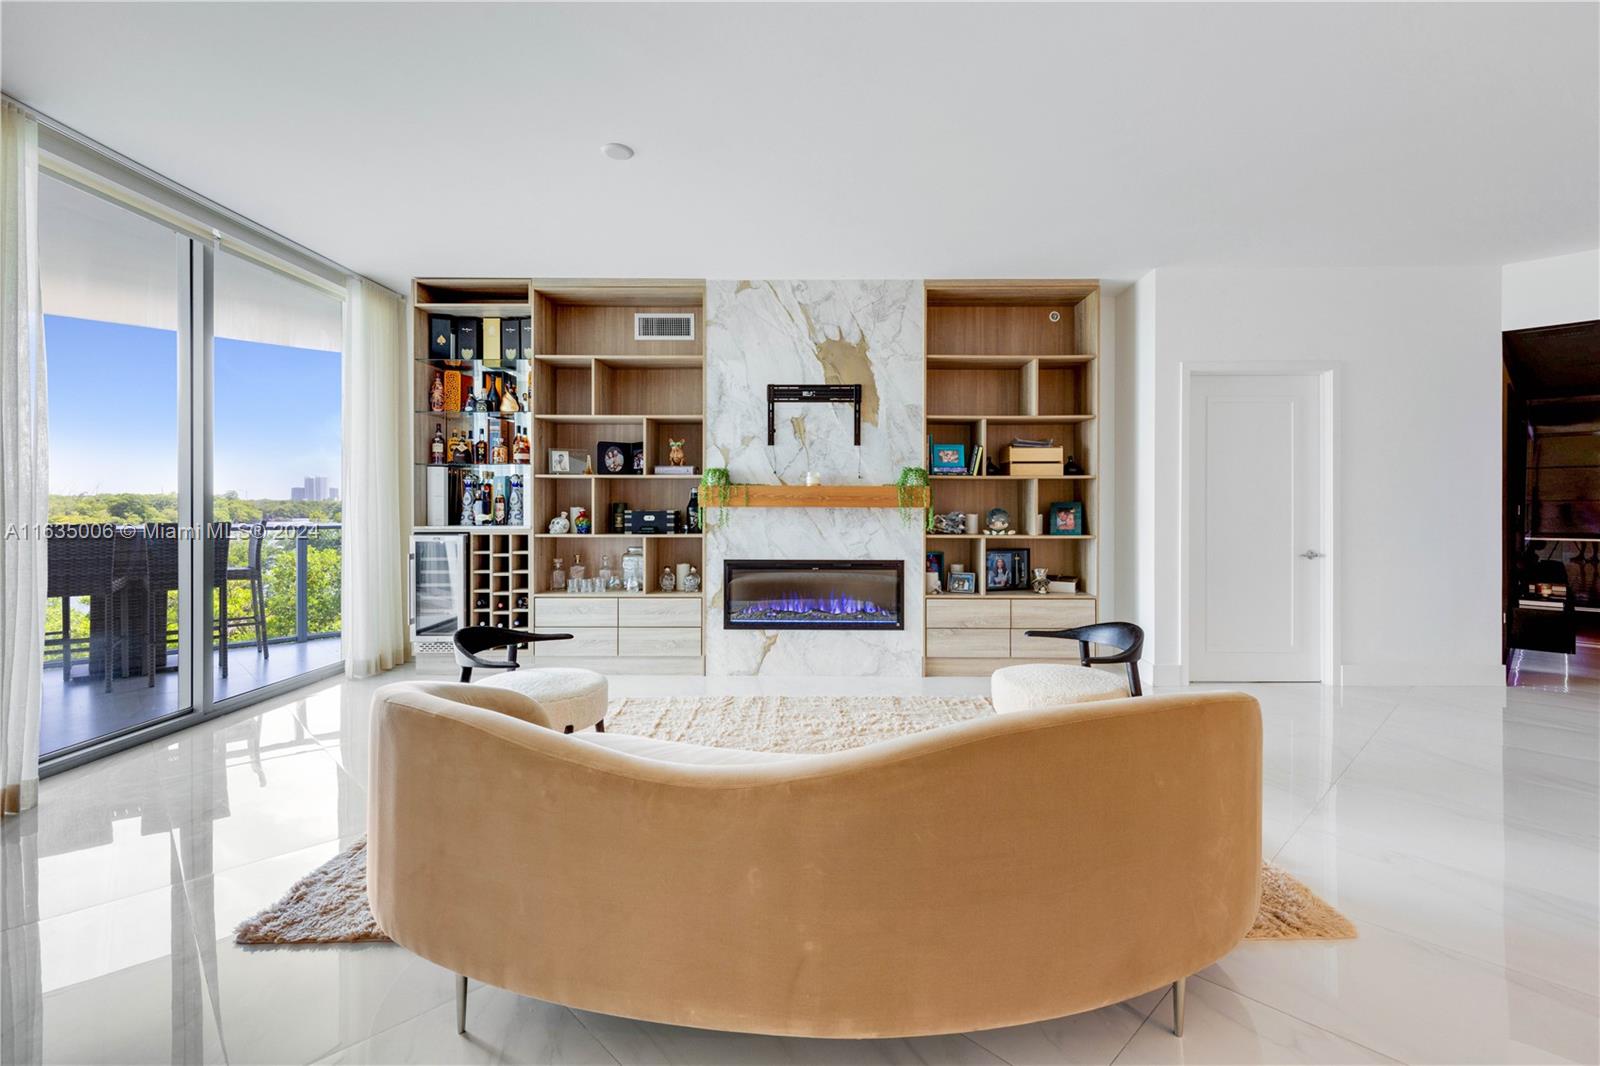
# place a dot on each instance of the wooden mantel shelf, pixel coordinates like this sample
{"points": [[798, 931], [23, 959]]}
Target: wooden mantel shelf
{"points": [[811, 496]]}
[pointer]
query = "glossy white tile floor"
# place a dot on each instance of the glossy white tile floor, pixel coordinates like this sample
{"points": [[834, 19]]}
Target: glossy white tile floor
{"points": [[1457, 827]]}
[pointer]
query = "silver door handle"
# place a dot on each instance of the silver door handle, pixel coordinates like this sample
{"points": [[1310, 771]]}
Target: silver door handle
{"points": [[1311, 553]]}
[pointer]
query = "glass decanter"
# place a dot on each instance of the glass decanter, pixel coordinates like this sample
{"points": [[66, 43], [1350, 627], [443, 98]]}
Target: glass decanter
{"points": [[558, 577]]}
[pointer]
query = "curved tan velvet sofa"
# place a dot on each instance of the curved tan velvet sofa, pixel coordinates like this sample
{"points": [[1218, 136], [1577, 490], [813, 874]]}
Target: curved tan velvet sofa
{"points": [[990, 873]]}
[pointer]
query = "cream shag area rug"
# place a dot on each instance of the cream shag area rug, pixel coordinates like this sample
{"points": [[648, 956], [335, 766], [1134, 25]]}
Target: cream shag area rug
{"points": [[329, 905]]}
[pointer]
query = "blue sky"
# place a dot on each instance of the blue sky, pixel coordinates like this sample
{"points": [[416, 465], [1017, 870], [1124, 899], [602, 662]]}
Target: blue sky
{"points": [[114, 411]]}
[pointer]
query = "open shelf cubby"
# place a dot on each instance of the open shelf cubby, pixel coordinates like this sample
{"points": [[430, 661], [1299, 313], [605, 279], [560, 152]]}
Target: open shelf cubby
{"points": [[1012, 360]]}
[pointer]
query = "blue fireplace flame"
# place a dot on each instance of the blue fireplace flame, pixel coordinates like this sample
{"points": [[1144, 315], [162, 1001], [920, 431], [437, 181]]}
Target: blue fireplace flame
{"points": [[833, 607]]}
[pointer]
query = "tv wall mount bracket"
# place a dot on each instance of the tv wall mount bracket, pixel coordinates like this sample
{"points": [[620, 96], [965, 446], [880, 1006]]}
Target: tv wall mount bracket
{"points": [[776, 394]]}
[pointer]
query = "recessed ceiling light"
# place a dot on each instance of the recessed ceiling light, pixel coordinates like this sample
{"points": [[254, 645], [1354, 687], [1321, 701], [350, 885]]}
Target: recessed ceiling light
{"points": [[616, 151]]}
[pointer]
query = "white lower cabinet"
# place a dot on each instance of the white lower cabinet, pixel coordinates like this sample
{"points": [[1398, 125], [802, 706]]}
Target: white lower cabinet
{"points": [[645, 627]]}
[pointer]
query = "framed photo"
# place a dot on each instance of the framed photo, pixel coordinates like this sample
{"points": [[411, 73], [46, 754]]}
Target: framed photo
{"points": [[935, 563], [1066, 519], [948, 459], [561, 461], [963, 581], [613, 458], [1005, 569], [636, 457]]}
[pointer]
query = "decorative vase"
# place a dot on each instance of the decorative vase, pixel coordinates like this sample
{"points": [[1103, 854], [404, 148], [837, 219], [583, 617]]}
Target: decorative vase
{"points": [[666, 583], [691, 580]]}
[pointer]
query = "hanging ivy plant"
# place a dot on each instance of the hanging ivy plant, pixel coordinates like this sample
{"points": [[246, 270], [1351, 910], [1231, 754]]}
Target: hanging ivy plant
{"points": [[716, 480], [912, 493]]}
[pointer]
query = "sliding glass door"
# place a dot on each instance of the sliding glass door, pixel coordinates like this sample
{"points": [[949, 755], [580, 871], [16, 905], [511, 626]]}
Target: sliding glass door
{"points": [[195, 444], [112, 295], [275, 476]]}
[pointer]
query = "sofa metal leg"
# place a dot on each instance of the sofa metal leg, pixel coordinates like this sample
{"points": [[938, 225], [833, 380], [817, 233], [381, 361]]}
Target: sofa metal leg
{"points": [[461, 1003], [600, 726], [1177, 1006], [567, 730], [466, 674]]}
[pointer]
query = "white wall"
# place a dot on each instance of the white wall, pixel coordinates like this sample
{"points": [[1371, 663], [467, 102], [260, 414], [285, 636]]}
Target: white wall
{"points": [[1130, 577], [1550, 292], [1418, 352]]}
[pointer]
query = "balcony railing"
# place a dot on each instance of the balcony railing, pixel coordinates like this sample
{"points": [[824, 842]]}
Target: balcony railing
{"points": [[300, 566]]}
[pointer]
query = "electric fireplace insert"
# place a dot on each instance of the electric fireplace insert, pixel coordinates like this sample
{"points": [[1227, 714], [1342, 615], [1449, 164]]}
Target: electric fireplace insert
{"points": [[813, 594]]}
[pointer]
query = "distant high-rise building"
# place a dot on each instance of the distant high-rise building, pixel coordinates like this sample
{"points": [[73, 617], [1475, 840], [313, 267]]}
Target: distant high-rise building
{"points": [[315, 488]]}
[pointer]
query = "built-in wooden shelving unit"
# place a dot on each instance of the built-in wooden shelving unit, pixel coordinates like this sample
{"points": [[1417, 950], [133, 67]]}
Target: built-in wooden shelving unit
{"points": [[1010, 359], [588, 379]]}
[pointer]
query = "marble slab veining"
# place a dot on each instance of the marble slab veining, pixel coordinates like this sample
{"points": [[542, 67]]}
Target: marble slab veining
{"points": [[814, 332]]}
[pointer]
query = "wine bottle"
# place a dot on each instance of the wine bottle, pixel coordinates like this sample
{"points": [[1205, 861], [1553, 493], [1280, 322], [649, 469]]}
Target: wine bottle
{"points": [[480, 451], [436, 451]]}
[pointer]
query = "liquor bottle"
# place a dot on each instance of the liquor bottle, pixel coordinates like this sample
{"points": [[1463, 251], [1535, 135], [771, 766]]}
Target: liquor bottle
{"points": [[460, 450], [436, 393], [497, 451], [485, 496], [558, 576], [604, 574], [521, 450], [693, 524], [575, 575], [436, 451], [480, 451], [515, 515], [469, 500]]}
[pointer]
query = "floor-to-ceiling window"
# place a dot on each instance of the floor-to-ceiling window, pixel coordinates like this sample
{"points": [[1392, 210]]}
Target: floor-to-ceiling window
{"points": [[194, 430], [275, 474], [111, 293]]}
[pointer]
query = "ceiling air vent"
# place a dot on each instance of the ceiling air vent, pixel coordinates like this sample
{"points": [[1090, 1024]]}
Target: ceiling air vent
{"points": [[659, 326]]}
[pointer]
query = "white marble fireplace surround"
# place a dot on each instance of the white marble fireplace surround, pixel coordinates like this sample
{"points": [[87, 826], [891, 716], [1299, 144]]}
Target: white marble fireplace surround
{"points": [[826, 332]]}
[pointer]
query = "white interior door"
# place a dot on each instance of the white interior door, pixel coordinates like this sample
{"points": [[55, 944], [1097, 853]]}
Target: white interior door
{"points": [[1255, 512]]}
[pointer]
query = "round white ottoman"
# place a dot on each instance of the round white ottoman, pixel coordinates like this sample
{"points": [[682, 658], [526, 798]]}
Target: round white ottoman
{"points": [[570, 698], [1040, 686]]}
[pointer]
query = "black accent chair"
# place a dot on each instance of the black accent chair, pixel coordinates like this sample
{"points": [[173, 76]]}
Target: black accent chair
{"points": [[1125, 637], [472, 641]]}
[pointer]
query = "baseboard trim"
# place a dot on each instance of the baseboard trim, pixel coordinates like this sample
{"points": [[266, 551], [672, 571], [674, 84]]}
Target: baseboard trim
{"points": [[1423, 673]]}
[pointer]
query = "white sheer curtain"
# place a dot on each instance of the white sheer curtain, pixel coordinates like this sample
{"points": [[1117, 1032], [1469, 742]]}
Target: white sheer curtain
{"points": [[24, 464], [377, 480]]}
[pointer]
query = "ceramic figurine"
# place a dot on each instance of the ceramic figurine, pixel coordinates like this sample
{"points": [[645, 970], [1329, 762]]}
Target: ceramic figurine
{"points": [[691, 581], [1072, 466], [1041, 581], [674, 452], [999, 520], [559, 525], [954, 522], [667, 581]]}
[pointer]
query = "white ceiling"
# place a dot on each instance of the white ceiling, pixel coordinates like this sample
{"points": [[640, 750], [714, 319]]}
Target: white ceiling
{"points": [[900, 140]]}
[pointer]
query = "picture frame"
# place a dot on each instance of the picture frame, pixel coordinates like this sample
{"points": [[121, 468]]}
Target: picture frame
{"points": [[1006, 569], [636, 457], [613, 457], [1066, 519], [948, 459], [935, 563], [963, 582], [561, 461]]}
